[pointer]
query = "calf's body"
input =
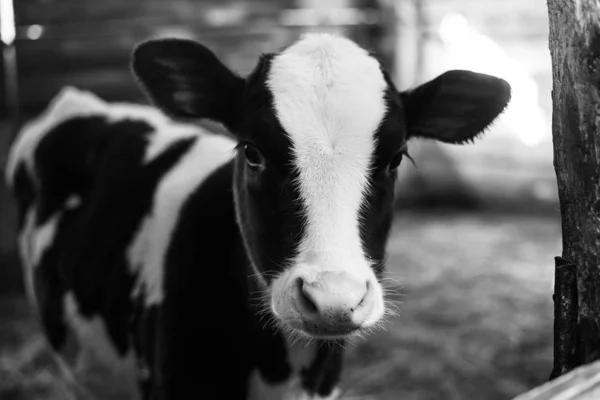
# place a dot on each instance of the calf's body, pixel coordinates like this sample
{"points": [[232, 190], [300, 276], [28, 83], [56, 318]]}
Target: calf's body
{"points": [[167, 260], [108, 195]]}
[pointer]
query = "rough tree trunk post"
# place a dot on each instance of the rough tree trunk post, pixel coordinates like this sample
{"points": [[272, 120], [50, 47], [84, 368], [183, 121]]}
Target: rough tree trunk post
{"points": [[575, 51]]}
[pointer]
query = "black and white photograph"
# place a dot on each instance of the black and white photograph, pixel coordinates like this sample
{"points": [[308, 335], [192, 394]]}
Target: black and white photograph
{"points": [[300, 200]]}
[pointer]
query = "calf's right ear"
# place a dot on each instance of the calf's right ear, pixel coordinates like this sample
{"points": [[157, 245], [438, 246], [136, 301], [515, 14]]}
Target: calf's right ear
{"points": [[456, 106], [187, 80]]}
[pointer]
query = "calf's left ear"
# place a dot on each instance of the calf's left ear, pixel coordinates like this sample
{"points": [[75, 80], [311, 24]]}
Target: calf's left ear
{"points": [[454, 107], [187, 80]]}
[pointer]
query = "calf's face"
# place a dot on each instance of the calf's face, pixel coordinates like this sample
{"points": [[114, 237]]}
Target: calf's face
{"points": [[321, 131]]}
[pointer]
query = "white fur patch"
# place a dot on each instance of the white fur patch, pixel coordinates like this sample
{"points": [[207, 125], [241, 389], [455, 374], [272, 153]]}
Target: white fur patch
{"points": [[97, 365], [329, 98], [42, 237], [25, 245], [147, 253], [289, 390], [73, 202], [300, 355], [34, 241], [160, 143]]}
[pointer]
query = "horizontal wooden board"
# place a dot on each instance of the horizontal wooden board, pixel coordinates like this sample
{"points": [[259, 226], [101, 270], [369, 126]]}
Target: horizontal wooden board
{"points": [[111, 83], [145, 26], [103, 66], [582, 383], [72, 53], [203, 12]]}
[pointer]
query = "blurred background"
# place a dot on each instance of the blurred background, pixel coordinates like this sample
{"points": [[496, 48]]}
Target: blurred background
{"points": [[477, 225]]}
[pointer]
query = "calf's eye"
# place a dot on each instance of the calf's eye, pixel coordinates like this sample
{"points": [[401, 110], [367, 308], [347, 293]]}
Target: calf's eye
{"points": [[396, 160], [253, 156]]}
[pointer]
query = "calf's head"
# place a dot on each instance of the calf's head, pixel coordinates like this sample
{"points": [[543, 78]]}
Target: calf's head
{"points": [[321, 131]]}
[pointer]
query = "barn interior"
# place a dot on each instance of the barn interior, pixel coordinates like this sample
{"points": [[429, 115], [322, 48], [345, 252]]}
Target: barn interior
{"points": [[477, 226]]}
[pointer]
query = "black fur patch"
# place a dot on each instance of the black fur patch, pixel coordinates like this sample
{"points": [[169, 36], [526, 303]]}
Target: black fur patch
{"points": [[269, 201], [101, 162]]}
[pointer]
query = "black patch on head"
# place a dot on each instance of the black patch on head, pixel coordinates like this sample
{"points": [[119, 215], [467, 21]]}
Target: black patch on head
{"points": [[261, 126], [376, 212], [269, 201]]}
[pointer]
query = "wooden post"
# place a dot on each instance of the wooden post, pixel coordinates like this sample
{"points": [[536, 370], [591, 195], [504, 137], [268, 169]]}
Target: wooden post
{"points": [[575, 51]]}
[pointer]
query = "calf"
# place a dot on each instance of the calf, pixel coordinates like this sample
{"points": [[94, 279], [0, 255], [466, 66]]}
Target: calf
{"points": [[169, 262]]}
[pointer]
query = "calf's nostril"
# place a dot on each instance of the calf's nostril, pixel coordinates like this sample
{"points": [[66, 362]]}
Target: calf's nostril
{"points": [[306, 301], [362, 300]]}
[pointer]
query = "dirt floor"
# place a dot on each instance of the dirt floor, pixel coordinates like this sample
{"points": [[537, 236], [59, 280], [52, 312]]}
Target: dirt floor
{"points": [[475, 316]]}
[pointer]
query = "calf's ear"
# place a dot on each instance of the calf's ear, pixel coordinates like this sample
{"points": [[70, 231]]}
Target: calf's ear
{"points": [[187, 80], [454, 107]]}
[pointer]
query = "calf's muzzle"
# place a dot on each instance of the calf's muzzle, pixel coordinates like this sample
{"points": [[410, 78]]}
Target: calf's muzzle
{"points": [[333, 303]]}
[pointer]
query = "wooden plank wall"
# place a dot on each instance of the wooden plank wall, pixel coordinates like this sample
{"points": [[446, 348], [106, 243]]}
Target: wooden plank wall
{"points": [[370, 23], [87, 43]]}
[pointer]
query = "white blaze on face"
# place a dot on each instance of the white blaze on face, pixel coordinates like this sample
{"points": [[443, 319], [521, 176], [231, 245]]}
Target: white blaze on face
{"points": [[329, 97]]}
